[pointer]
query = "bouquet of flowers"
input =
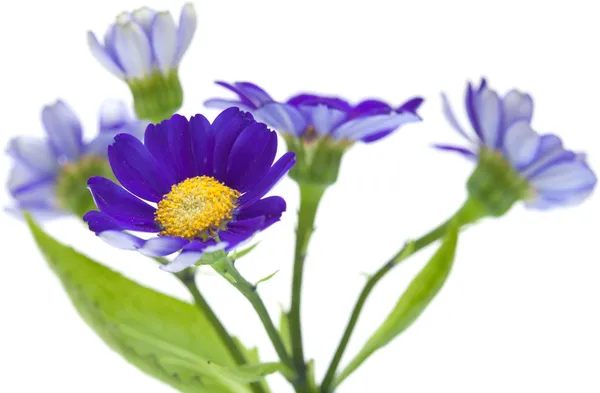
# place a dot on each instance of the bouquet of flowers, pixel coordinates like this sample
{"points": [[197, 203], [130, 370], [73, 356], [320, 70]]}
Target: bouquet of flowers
{"points": [[189, 193]]}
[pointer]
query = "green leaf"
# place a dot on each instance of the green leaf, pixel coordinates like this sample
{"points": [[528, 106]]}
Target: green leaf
{"points": [[166, 338], [412, 303], [284, 331], [245, 251], [264, 279]]}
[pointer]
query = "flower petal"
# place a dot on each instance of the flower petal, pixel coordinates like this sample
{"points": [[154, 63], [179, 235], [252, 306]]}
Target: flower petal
{"points": [[164, 41], [114, 115], [256, 94], [470, 103], [411, 105], [133, 49], [516, 106], [251, 156], [282, 117], [323, 118], [144, 17], [365, 126], [227, 127], [64, 130], [271, 208], [104, 56], [273, 176], [573, 176], [185, 31], [34, 153], [100, 222], [191, 253], [489, 116], [122, 240], [468, 154], [219, 103], [449, 114], [137, 170], [162, 246], [121, 206], [521, 144]]}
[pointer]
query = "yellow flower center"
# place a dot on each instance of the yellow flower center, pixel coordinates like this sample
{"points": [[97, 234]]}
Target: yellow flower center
{"points": [[195, 206]]}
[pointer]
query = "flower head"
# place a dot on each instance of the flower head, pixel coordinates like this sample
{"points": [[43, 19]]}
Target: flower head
{"points": [[144, 48], [515, 160], [49, 174], [198, 186], [310, 116]]}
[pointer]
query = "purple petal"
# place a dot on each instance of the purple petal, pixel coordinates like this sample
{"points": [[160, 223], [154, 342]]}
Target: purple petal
{"points": [[449, 114], [282, 117], [121, 206], [369, 108], [162, 246], [365, 126], [256, 94], [516, 106], [34, 153], [468, 154], [276, 172], [251, 156], [64, 130], [219, 103], [122, 240], [104, 56], [185, 31], [323, 118], [411, 105], [227, 127], [489, 116], [271, 208], [137, 170], [574, 176], [521, 144], [245, 99], [100, 222], [471, 110], [191, 253]]}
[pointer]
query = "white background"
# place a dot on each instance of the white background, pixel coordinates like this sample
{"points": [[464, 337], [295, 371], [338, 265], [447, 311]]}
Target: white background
{"points": [[520, 311]]}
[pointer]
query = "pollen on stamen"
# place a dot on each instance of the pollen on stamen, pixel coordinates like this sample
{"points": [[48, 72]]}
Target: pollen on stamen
{"points": [[196, 206]]}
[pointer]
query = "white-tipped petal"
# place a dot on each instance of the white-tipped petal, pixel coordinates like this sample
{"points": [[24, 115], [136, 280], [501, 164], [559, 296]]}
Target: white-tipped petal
{"points": [[103, 56], [133, 49], [144, 17], [185, 31], [164, 41]]}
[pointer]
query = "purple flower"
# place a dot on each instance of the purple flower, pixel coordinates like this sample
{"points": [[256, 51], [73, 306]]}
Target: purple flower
{"points": [[309, 115], [553, 175], [199, 186], [143, 42], [39, 162]]}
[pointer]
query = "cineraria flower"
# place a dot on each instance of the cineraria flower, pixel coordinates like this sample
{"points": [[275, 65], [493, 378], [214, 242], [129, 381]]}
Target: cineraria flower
{"points": [[49, 174], [204, 186], [516, 163], [309, 116], [144, 48], [319, 129]]}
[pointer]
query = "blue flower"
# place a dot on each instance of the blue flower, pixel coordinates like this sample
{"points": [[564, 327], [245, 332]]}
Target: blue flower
{"points": [[310, 116], [552, 175], [40, 163], [144, 42], [204, 184]]}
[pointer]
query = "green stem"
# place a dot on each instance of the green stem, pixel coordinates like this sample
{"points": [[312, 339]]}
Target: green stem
{"points": [[187, 278], [469, 213], [226, 269], [310, 196]]}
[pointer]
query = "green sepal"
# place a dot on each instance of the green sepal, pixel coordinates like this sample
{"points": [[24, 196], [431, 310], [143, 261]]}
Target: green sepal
{"points": [[419, 294], [164, 337], [317, 161], [158, 96], [71, 184], [267, 278], [495, 184]]}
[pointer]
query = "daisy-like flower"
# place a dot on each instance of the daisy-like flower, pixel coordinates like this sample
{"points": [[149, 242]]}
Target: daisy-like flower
{"points": [[49, 174], [198, 186], [144, 48], [514, 162], [318, 128], [309, 116]]}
